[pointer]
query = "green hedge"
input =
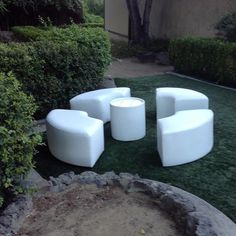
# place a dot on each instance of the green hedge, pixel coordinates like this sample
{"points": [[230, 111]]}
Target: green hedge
{"points": [[59, 64], [16, 144], [28, 33], [210, 58]]}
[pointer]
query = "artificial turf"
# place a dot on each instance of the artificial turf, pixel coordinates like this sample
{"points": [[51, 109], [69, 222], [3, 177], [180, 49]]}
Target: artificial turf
{"points": [[212, 178]]}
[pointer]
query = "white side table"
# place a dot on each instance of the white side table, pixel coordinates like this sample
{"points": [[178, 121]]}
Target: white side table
{"points": [[128, 121]]}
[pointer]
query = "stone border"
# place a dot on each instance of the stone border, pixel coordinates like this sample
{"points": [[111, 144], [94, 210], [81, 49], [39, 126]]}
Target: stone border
{"points": [[192, 215]]}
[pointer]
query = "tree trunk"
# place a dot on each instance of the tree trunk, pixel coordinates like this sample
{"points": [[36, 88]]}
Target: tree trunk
{"points": [[146, 19], [139, 24]]}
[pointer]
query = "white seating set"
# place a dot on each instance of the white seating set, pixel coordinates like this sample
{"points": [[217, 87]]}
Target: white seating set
{"points": [[184, 125]]}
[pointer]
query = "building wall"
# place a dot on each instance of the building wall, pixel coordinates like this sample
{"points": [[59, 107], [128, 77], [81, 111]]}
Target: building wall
{"points": [[116, 19], [170, 18]]}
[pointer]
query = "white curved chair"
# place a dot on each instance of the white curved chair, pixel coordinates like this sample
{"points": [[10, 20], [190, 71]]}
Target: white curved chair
{"points": [[97, 103], [75, 138], [170, 100], [185, 137]]}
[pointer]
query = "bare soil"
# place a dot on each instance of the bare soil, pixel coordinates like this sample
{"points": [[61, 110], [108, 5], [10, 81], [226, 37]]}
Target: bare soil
{"points": [[131, 67], [86, 210]]}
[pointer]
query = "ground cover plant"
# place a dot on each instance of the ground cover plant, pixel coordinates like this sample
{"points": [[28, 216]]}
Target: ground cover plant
{"points": [[211, 178]]}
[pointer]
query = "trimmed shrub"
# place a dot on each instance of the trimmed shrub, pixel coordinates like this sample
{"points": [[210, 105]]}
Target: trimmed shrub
{"points": [[214, 59], [92, 25], [17, 143], [29, 33], [227, 27], [60, 64], [91, 18]]}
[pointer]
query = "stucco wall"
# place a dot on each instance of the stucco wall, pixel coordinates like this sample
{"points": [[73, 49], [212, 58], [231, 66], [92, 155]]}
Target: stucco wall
{"points": [[172, 18], [116, 19]]}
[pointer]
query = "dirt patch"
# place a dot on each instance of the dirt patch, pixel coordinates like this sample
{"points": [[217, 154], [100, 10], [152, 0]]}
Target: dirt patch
{"points": [[131, 67], [87, 210]]}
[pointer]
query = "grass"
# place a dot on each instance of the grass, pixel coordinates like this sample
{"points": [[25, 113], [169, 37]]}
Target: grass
{"points": [[212, 178]]}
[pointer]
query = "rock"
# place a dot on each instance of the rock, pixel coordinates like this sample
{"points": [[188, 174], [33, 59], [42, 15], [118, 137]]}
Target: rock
{"points": [[89, 177], [13, 216], [145, 57], [7, 36], [193, 215], [34, 180], [107, 82], [162, 58]]}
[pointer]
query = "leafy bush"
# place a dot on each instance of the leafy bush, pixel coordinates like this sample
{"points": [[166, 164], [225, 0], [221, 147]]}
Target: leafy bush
{"points": [[212, 58], [60, 64], [227, 27], [91, 18], [95, 7], [92, 25], [25, 12], [93, 11], [29, 32], [17, 143]]}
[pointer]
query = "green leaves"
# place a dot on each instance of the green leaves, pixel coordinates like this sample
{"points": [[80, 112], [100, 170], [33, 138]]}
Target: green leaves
{"points": [[211, 58], [16, 144], [59, 64], [227, 26]]}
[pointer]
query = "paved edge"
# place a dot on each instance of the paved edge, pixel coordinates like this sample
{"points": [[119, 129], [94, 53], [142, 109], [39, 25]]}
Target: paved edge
{"points": [[192, 215]]}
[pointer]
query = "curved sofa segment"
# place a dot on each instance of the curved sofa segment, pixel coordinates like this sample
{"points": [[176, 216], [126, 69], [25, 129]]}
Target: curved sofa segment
{"points": [[75, 138], [184, 125], [185, 136], [170, 100], [97, 103]]}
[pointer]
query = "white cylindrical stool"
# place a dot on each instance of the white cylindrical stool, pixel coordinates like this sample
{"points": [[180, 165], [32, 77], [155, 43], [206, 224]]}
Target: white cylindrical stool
{"points": [[128, 120]]}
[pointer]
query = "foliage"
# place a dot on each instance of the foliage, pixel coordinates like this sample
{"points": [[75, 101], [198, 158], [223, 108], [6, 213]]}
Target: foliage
{"points": [[24, 12], [61, 63], [92, 25], [30, 32], [34, 4], [95, 7], [89, 15], [212, 58], [227, 26], [17, 143], [91, 18]]}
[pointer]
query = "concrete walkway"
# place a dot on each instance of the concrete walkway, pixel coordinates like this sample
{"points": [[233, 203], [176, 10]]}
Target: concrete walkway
{"points": [[131, 67]]}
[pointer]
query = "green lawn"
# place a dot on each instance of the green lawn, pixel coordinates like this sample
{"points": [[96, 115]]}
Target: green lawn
{"points": [[212, 178]]}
